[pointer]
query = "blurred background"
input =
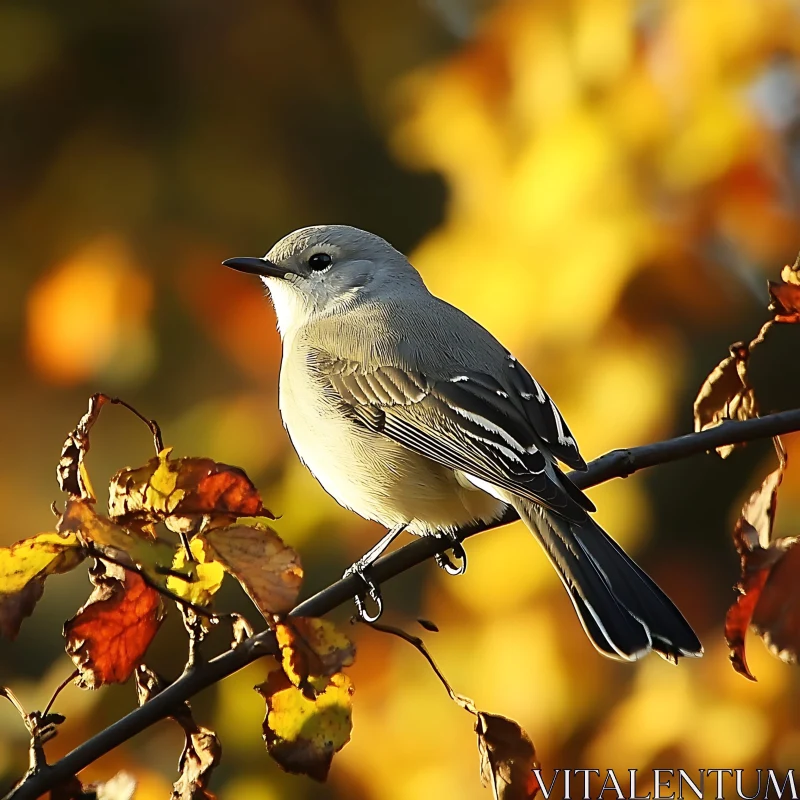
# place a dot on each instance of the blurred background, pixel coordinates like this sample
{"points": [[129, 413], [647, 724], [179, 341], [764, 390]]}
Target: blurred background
{"points": [[605, 184]]}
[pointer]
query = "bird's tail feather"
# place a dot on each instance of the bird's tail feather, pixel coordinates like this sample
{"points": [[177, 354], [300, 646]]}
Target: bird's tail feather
{"points": [[622, 610]]}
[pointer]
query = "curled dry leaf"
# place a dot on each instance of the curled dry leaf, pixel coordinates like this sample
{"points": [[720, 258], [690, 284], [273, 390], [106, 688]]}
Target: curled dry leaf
{"points": [[785, 294], [508, 758], [110, 634], [767, 589], [182, 490], [23, 569], [302, 734], [201, 754], [71, 475], [777, 614], [726, 394], [202, 750], [267, 569], [312, 647]]}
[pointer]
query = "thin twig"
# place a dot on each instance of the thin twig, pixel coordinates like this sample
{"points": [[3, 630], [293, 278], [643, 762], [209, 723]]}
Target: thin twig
{"points": [[417, 643], [158, 439], [12, 698], [616, 464], [61, 686]]}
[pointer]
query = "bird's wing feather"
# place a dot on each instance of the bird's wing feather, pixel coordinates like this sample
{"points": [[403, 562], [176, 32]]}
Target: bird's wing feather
{"points": [[468, 423]]}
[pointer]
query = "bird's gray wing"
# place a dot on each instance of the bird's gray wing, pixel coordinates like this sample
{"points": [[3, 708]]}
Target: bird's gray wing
{"points": [[469, 423]]}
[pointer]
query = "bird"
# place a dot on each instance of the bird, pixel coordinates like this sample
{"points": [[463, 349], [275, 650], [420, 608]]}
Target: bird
{"points": [[411, 414]]}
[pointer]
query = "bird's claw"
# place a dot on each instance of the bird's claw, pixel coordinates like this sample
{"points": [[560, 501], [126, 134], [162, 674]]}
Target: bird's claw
{"points": [[459, 553], [372, 591]]}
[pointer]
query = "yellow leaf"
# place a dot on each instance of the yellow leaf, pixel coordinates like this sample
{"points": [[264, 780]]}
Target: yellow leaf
{"points": [[267, 569], [161, 494], [302, 734], [23, 568], [312, 647], [46, 553], [208, 575]]}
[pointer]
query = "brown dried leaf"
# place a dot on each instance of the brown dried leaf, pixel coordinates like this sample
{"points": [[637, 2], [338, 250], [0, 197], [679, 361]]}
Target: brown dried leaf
{"points": [[23, 569], [508, 758], [110, 634], [182, 490], [70, 472], [726, 394], [785, 295], [302, 734], [201, 754], [752, 537], [267, 569], [202, 750]]}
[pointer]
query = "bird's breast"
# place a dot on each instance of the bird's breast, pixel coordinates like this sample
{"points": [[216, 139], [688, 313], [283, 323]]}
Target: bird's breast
{"points": [[364, 470]]}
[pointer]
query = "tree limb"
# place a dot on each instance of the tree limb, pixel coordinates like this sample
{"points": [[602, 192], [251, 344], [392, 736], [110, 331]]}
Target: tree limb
{"points": [[615, 464]]}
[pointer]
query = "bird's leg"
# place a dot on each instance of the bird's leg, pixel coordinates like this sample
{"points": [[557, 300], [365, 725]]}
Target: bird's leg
{"points": [[460, 554], [361, 567]]}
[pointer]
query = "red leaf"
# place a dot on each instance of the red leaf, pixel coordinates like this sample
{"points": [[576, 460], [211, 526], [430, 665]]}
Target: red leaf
{"points": [[109, 636], [760, 561]]}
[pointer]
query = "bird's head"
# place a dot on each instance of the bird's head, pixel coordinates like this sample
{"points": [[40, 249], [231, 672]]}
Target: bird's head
{"points": [[322, 270]]}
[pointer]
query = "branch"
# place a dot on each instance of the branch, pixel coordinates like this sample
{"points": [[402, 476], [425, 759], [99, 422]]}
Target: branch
{"points": [[616, 464]]}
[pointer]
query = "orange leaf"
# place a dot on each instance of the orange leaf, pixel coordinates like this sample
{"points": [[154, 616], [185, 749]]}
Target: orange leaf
{"points": [[777, 616], [184, 487], [508, 758], [752, 537], [110, 634]]}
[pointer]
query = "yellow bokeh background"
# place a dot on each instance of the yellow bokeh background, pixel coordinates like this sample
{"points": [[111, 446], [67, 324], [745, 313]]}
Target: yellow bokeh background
{"points": [[604, 184]]}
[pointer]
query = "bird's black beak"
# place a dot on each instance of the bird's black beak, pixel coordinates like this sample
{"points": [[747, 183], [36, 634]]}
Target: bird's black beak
{"points": [[256, 266]]}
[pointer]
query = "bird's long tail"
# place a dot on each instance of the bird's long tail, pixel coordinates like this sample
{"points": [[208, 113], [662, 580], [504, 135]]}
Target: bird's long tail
{"points": [[623, 611]]}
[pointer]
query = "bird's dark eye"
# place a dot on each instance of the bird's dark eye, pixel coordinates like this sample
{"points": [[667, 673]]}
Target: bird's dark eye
{"points": [[319, 261]]}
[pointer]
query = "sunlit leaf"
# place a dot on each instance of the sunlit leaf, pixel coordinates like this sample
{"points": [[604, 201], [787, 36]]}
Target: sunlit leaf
{"points": [[207, 574], [726, 394], [269, 571], [508, 758], [302, 734], [110, 634], [312, 647], [184, 487], [23, 569]]}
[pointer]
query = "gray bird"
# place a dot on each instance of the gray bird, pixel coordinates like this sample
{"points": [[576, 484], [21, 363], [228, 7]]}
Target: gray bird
{"points": [[411, 414]]}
